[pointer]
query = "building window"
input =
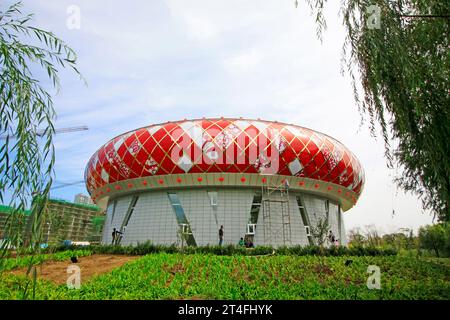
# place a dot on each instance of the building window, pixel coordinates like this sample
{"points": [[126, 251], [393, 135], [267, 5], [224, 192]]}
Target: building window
{"points": [[339, 218], [185, 228], [254, 211], [113, 210], [129, 212], [181, 219], [307, 231], [251, 227], [327, 209], [212, 198], [127, 217], [305, 218], [303, 213], [176, 205]]}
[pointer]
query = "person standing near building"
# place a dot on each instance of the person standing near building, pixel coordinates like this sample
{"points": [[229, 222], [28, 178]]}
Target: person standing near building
{"points": [[220, 235], [332, 238], [114, 233]]}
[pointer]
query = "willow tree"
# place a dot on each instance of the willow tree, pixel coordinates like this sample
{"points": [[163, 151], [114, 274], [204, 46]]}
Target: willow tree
{"points": [[27, 115], [397, 54]]}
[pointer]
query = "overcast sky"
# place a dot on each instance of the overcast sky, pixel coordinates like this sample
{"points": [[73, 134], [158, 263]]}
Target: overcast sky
{"points": [[153, 61]]}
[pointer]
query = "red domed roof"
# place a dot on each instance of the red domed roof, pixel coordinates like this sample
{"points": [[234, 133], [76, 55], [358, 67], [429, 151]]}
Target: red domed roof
{"points": [[239, 146]]}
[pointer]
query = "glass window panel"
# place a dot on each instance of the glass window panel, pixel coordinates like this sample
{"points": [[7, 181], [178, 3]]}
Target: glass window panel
{"points": [[113, 210], [174, 199], [305, 219], [256, 205], [130, 211], [181, 219], [307, 230], [212, 197]]}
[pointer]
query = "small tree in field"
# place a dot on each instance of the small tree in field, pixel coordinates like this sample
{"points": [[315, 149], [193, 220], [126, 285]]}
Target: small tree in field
{"points": [[435, 238], [372, 236], [355, 237], [320, 231]]}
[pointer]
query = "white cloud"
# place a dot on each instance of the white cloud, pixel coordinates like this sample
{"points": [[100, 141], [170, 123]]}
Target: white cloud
{"points": [[198, 28], [243, 62]]}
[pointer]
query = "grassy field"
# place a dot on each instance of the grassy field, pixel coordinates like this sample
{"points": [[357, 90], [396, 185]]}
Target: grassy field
{"points": [[12, 263], [205, 276]]}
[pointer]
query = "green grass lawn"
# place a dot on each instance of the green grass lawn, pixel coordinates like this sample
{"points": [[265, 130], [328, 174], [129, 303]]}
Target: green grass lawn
{"points": [[25, 261], [178, 276]]}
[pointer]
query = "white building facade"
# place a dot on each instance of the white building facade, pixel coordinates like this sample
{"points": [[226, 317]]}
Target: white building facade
{"points": [[163, 216]]}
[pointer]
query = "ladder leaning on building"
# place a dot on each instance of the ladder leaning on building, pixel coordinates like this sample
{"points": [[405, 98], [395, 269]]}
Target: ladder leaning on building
{"points": [[275, 201]]}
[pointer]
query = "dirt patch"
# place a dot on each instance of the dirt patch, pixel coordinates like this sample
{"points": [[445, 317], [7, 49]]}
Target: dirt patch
{"points": [[323, 269], [350, 281], [90, 266], [176, 268]]}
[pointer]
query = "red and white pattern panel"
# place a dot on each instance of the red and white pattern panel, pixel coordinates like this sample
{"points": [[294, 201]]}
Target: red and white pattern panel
{"points": [[224, 145]]}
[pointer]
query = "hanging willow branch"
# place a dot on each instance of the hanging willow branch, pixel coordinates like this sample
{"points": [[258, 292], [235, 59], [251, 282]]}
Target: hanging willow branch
{"points": [[400, 76], [27, 113], [426, 16]]}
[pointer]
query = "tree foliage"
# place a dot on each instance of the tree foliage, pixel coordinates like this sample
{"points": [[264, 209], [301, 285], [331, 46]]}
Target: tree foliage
{"points": [[320, 230], [27, 114], [436, 238], [369, 237], [400, 74]]}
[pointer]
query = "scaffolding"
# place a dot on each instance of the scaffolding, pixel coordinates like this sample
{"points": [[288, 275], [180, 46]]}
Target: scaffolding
{"points": [[65, 220], [275, 202], [61, 220]]}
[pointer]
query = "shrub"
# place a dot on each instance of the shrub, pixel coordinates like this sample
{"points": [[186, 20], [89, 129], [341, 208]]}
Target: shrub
{"points": [[436, 238], [230, 250]]}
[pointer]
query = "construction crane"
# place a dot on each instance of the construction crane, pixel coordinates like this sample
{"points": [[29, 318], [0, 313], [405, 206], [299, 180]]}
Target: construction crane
{"points": [[66, 184], [40, 133], [61, 185]]}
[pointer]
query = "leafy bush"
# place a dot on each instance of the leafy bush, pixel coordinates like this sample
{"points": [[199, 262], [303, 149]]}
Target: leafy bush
{"points": [[230, 250], [436, 238]]}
